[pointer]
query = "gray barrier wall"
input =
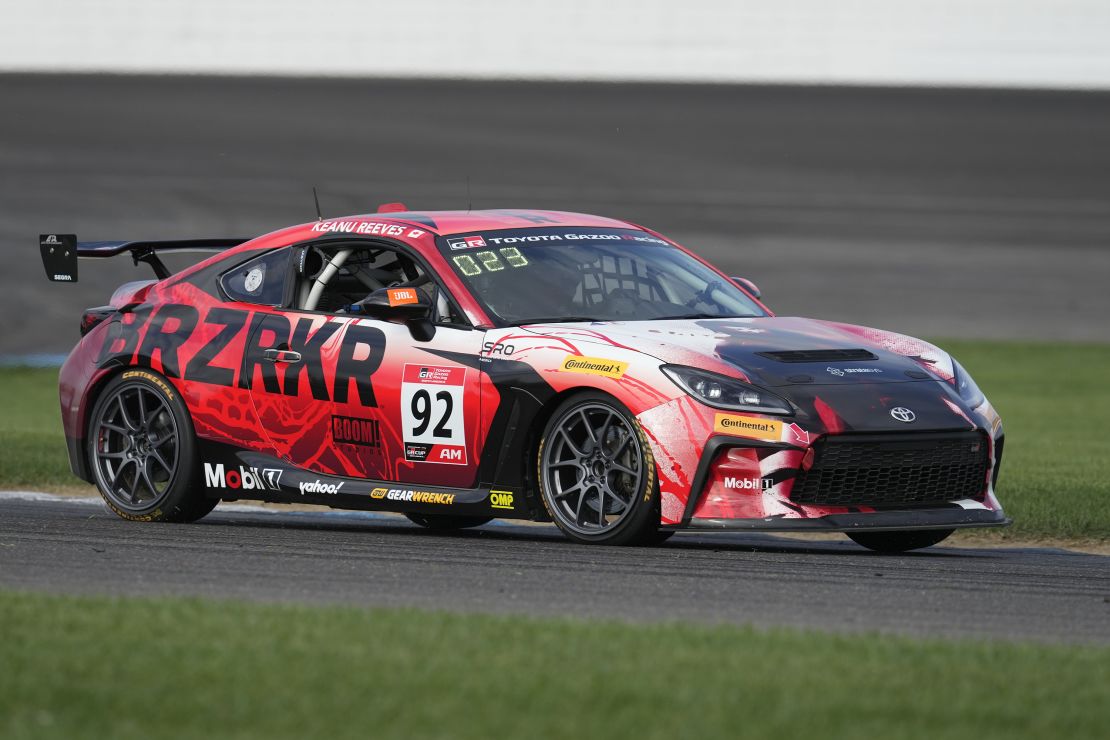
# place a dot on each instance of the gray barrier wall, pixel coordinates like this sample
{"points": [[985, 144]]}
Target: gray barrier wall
{"points": [[1006, 43]]}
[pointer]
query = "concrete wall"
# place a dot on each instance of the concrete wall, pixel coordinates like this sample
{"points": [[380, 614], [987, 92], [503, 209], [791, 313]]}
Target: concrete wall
{"points": [[1009, 43]]}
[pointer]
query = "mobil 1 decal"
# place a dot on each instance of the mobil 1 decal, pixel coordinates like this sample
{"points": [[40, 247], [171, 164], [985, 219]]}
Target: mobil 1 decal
{"points": [[432, 414]]}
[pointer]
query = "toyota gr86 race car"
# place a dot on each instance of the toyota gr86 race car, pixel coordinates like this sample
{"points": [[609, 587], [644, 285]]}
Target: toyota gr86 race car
{"points": [[462, 366]]}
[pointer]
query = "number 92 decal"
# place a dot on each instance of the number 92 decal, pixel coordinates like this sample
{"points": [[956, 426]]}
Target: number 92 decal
{"points": [[432, 414]]}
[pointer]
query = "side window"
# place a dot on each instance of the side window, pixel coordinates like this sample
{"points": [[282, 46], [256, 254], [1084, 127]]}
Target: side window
{"points": [[261, 280], [335, 278]]}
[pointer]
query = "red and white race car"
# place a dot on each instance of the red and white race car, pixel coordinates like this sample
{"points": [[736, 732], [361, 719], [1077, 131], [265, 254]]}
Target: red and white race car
{"points": [[461, 366]]}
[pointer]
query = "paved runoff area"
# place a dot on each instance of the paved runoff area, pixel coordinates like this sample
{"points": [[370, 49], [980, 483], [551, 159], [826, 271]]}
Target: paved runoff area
{"points": [[76, 546]]}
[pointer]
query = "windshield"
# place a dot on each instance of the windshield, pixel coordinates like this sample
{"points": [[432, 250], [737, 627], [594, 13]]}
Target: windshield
{"points": [[538, 275]]}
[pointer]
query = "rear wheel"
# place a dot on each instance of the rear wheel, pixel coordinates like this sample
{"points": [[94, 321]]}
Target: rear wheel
{"points": [[143, 451], [447, 521], [900, 541], [597, 473]]}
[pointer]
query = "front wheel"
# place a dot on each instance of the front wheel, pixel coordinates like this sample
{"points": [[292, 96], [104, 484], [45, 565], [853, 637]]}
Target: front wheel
{"points": [[900, 541], [143, 451], [597, 473]]}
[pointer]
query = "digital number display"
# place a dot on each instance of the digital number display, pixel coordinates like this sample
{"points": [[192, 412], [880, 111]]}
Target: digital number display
{"points": [[490, 261], [469, 266]]}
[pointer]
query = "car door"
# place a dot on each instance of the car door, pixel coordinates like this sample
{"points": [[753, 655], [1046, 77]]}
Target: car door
{"points": [[358, 397]]}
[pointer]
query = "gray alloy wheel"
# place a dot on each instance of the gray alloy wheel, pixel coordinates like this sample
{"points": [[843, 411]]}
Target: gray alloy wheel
{"points": [[597, 474], [142, 451], [136, 447]]}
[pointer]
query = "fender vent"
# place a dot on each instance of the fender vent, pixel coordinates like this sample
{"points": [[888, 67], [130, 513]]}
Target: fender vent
{"points": [[820, 355]]}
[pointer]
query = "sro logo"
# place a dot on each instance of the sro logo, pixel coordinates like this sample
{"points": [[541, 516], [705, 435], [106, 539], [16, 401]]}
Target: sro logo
{"points": [[497, 348]]}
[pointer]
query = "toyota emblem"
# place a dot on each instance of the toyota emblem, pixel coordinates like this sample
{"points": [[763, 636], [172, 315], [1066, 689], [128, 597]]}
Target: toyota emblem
{"points": [[901, 413]]}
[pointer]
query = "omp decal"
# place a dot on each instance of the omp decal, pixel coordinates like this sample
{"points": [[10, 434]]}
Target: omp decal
{"points": [[594, 366], [748, 426], [153, 379], [501, 499], [432, 414], [402, 296]]}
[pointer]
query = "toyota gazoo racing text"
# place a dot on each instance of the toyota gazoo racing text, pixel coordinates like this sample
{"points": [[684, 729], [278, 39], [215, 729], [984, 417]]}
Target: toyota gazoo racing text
{"points": [[459, 366]]}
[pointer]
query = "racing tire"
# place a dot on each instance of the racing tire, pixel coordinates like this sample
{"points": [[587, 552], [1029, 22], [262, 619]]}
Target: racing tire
{"points": [[445, 522], [596, 473], [143, 452], [900, 541]]}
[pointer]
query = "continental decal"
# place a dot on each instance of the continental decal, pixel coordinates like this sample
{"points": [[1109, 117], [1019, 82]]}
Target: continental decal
{"points": [[748, 426], [152, 378], [594, 366]]}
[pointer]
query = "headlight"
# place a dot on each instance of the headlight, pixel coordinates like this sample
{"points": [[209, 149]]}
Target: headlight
{"points": [[966, 387], [721, 392]]}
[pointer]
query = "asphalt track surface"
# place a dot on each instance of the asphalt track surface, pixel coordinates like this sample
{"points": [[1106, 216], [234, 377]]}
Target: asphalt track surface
{"points": [[937, 213], [374, 560]]}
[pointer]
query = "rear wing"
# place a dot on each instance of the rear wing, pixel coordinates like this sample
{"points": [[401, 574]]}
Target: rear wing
{"points": [[60, 253]]}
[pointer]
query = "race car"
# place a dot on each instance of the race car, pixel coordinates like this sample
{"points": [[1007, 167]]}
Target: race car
{"points": [[462, 366]]}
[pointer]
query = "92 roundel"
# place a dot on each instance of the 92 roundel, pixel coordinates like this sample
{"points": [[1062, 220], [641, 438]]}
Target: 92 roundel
{"points": [[432, 403], [458, 366]]}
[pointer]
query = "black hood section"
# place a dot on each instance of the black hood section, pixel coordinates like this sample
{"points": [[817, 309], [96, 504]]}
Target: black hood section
{"points": [[867, 407], [786, 358]]}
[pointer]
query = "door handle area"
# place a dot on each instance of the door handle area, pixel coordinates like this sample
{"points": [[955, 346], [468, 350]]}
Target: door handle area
{"points": [[282, 355]]}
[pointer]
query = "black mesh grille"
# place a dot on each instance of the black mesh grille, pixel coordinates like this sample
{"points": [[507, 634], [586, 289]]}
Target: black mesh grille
{"points": [[866, 470], [820, 355]]}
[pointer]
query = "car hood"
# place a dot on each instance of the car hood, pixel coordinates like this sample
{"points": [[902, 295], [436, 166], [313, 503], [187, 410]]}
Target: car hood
{"points": [[772, 351]]}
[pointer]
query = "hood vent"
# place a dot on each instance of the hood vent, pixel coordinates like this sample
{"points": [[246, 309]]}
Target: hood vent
{"points": [[820, 355]]}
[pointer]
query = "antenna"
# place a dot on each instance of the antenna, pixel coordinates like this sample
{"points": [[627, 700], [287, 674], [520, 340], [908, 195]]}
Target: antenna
{"points": [[469, 203], [315, 197]]}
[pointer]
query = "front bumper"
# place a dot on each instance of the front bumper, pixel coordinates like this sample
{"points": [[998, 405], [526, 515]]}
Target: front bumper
{"points": [[913, 501], [934, 518]]}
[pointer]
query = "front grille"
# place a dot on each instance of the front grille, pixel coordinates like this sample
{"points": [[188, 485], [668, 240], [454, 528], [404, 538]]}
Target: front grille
{"points": [[893, 470], [820, 355]]}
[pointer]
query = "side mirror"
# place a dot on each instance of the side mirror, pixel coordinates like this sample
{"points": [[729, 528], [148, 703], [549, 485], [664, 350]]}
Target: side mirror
{"points": [[747, 285], [407, 306], [396, 304]]}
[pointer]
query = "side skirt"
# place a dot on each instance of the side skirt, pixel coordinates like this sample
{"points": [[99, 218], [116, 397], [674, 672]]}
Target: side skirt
{"points": [[232, 474]]}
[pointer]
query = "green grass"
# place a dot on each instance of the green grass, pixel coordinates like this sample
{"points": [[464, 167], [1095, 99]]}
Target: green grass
{"points": [[1055, 405], [146, 668], [1054, 400], [32, 446]]}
